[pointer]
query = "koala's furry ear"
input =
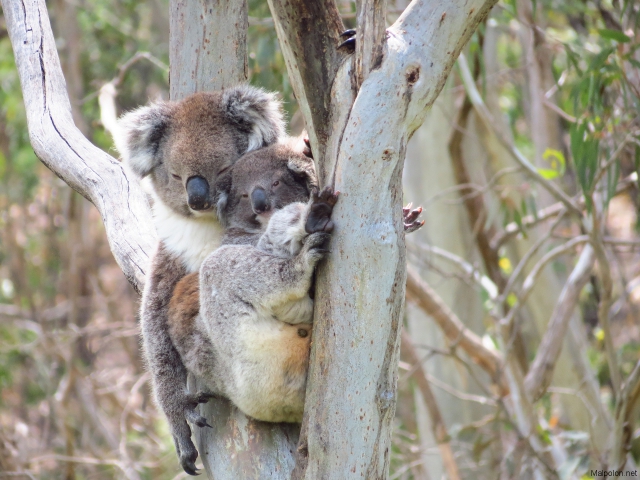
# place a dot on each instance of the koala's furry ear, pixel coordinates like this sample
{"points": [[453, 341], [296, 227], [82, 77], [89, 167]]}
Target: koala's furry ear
{"points": [[139, 134], [303, 166], [257, 111]]}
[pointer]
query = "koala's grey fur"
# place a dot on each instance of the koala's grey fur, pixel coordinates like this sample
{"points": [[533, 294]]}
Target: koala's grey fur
{"points": [[168, 143], [250, 341]]}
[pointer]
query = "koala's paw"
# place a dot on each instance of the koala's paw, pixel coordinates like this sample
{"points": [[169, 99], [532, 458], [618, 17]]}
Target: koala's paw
{"points": [[315, 246], [192, 400], [410, 217], [319, 218], [349, 44], [186, 450]]}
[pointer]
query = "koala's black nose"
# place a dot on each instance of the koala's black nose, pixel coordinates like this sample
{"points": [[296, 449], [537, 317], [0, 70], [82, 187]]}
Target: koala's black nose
{"points": [[259, 200], [198, 193]]}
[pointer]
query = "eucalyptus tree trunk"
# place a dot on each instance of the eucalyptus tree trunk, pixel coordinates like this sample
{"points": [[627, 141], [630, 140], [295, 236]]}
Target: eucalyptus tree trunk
{"points": [[360, 113]]}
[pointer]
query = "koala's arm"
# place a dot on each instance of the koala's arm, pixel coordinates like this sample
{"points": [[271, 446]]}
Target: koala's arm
{"points": [[289, 227], [168, 373], [279, 269], [242, 277]]}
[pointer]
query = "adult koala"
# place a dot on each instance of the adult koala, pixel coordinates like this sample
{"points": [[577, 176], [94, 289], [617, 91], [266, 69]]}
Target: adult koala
{"points": [[182, 148]]}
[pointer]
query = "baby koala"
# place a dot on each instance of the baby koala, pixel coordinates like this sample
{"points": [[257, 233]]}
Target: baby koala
{"points": [[250, 341]]}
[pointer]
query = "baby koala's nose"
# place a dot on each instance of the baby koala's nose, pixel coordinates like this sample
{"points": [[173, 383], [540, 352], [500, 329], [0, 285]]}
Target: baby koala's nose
{"points": [[259, 200], [198, 193]]}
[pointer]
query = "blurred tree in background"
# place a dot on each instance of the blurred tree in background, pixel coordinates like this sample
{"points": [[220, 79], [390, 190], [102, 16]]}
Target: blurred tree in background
{"points": [[522, 262]]}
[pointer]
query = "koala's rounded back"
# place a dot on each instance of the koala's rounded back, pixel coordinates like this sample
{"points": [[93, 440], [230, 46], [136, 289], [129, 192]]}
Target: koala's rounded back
{"points": [[184, 146], [261, 182]]}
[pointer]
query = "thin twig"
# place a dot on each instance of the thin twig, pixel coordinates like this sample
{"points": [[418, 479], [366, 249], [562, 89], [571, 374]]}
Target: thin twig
{"points": [[452, 326], [551, 211], [553, 107], [528, 256], [109, 91], [540, 373], [623, 430], [482, 280], [530, 280], [606, 290], [610, 160]]}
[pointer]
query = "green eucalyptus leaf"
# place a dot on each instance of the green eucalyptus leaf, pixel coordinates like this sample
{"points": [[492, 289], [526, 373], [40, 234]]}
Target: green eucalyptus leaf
{"points": [[615, 35]]}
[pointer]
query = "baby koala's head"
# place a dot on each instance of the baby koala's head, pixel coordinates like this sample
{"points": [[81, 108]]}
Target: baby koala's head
{"points": [[261, 183]]}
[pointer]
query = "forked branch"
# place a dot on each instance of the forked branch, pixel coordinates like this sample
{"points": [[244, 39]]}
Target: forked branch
{"points": [[57, 142]]}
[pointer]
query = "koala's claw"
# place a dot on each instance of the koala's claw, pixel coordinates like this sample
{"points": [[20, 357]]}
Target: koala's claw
{"points": [[194, 417], [410, 218], [327, 195], [307, 148], [192, 400], [187, 454], [319, 219], [190, 467], [199, 397], [348, 33], [349, 45]]}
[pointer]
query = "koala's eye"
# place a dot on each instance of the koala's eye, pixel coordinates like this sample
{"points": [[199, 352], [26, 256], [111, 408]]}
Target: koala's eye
{"points": [[276, 183], [177, 177], [245, 195]]}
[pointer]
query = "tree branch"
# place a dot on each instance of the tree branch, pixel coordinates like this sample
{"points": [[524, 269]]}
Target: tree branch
{"points": [[210, 40], [437, 422], [453, 328], [309, 34], [64, 150], [485, 116], [372, 16], [623, 429], [540, 374]]}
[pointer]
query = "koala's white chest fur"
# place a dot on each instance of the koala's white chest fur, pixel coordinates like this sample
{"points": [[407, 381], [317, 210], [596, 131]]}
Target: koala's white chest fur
{"points": [[190, 239]]}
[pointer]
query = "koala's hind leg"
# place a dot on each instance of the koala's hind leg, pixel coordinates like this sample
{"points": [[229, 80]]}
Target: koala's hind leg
{"points": [[193, 345], [168, 373], [181, 431]]}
